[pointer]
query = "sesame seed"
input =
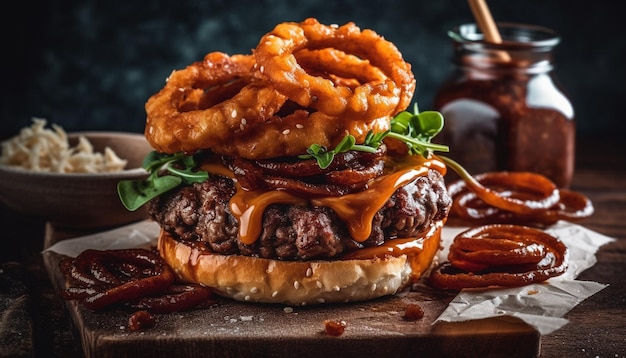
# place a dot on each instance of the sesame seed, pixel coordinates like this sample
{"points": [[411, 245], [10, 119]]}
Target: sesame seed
{"points": [[299, 126], [296, 285], [261, 69], [275, 293], [319, 284], [373, 287], [337, 288], [247, 298], [244, 121], [233, 114], [321, 300], [309, 272], [288, 309], [286, 131], [254, 290], [241, 127]]}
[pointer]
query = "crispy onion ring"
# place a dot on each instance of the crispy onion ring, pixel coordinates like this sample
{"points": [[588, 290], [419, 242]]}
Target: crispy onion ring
{"points": [[341, 68], [135, 277], [284, 136], [194, 111], [500, 255], [328, 82], [276, 56], [293, 133], [515, 198]]}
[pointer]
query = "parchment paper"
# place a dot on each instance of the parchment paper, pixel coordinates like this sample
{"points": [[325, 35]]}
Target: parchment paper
{"points": [[540, 305]]}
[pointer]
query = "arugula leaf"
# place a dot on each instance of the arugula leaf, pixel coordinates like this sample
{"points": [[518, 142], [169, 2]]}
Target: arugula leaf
{"points": [[167, 171]]}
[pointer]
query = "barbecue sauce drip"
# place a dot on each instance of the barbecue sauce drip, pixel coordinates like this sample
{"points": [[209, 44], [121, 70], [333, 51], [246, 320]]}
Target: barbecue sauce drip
{"points": [[411, 247], [249, 206], [356, 210]]}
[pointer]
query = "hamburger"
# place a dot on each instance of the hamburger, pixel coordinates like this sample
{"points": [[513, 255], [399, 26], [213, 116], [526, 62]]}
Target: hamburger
{"points": [[353, 219]]}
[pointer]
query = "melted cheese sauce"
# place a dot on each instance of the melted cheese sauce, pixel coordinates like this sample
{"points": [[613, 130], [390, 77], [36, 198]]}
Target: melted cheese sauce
{"points": [[356, 210]]}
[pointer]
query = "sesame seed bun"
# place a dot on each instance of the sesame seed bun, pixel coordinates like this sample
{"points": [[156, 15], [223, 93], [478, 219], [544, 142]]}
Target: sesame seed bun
{"points": [[253, 279]]}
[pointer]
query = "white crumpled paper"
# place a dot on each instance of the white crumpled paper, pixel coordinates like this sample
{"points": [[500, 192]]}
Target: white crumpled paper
{"points": [[540, 305], [142, 234]]}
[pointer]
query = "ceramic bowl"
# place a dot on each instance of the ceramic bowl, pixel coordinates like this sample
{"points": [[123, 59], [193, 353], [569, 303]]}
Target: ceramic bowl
{"points": [[82, 201]]}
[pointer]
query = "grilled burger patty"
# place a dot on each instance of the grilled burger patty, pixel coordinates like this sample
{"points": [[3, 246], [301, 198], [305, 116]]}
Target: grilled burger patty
{"points": [[199, 215]]}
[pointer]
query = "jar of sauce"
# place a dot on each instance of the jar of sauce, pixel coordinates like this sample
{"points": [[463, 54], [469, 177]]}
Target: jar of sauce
{"points": [[503, 106]]}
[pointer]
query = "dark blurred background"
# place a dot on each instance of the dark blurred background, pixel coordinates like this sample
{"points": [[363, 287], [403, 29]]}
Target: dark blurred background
{"points": [[91, 65]]}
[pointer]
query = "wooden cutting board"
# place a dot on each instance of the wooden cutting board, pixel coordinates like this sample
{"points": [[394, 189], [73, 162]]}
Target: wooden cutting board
{"points": [[234, 329]]}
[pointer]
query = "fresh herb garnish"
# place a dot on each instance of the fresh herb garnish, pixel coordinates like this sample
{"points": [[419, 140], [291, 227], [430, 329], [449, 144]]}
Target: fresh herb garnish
{"points": [[417, 129], [414, 129], [167, 171]]}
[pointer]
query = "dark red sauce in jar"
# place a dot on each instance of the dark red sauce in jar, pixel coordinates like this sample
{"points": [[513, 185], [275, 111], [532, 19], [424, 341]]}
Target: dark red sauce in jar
{"points": [[503, 106]]}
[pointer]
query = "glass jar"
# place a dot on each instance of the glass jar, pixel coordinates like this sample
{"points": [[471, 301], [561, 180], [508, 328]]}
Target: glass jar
{"points": [[503, 106]]}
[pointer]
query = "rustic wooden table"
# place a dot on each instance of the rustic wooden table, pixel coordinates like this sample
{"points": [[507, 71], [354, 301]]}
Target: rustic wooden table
{"points": [[35, 322]]}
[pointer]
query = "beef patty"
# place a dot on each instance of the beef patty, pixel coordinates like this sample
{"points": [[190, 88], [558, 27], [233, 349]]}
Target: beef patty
{"points": [[200, 215]]}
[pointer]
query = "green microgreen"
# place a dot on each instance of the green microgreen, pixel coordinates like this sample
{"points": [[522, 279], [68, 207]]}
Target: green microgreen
{"points": [[417, 129], [324, 156], [167, 171]]}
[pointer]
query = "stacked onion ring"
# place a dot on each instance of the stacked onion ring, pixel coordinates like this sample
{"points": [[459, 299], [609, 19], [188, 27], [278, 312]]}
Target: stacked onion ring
{"points": [[305, 83]]}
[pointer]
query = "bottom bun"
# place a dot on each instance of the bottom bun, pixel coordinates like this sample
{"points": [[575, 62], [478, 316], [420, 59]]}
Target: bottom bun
{"points": [[253, 279]]}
